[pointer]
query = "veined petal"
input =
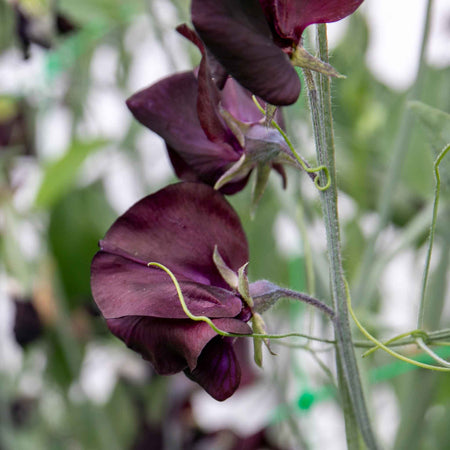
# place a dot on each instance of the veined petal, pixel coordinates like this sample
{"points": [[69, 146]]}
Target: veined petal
{"points": [[238, 35], [169, 108], [218, 371], [122, 287], [208, 100], [179, 226], [293, 16], [170, 345]]}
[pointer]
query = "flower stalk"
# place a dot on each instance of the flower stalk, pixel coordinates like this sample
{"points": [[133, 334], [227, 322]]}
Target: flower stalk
{"points": [[355, 410]]}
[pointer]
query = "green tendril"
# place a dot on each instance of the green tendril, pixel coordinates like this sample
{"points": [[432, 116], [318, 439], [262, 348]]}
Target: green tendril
{"points": [[430, 352], [426, 271], [390, 341], [420, 335], [383, 347], [219, 331], [183, 303], [297, 156]]}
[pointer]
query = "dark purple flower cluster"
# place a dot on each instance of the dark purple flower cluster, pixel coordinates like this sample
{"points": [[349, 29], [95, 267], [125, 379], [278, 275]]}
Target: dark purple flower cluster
{"points": [[254, 39], [212, 134], [215, 136]]}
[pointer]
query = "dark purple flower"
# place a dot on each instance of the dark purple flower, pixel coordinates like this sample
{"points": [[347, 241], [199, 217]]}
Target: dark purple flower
{"points": [[254, 39], [33, 29], [179, 227], [27, 323], [208, 131]]}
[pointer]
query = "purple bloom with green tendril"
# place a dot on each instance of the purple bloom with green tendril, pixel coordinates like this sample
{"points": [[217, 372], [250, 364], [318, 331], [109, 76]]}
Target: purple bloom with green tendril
{"points": [[178, 227], [254, 40]]}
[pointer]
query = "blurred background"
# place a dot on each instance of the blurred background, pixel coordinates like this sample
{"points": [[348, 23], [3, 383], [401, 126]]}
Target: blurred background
{"points": [[72, 159]]}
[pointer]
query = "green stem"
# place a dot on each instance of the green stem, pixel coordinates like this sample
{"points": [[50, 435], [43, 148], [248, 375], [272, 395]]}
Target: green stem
{"points": [[394, 169], [349, 379], [305, 298], [426, 271], [351, 422], [433, 338]]}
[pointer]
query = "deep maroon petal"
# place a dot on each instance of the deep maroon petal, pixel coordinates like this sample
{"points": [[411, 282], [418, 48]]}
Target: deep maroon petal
{"points": [[218, 73], [27, 323], [282, 172], [169, 108], [170, 345], [182, 169], [192, 36], [208, 100], [239, 36], [179, 226], [122, 287], [293, 16], [217, 371], [187, 173]]}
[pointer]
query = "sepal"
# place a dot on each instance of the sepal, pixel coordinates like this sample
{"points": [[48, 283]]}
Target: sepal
{"points": [[301, 58]]}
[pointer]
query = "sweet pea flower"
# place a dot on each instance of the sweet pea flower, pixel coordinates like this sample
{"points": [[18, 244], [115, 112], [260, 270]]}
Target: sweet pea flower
{"points": [[258, 41], [213, 130], [178, 227]]}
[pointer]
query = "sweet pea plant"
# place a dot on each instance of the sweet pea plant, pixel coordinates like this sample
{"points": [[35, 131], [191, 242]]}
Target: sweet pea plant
{"points": [[171, 276], [256, 319]]}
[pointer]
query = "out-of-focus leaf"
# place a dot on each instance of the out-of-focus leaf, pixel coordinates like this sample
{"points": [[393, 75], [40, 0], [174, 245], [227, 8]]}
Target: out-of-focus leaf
{"points": [[7, 23], [125, 427], [435, 122], [437, 125], [58, 367], [71, 49], [113, 11], [265, 260], [77, 223], [60, 175]]}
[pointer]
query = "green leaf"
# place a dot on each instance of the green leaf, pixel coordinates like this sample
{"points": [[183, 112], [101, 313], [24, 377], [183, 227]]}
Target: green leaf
{"points": [[60, 175], [77, 222]]}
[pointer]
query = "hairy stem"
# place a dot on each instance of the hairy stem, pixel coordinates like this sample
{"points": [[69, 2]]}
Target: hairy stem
{"points": [[355, 410]]}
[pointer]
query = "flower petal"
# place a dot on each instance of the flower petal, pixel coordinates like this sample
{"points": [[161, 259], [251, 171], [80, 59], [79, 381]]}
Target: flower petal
{"points": [[218, 73], [238, 102], [122, 287], [170, 345], [179, 226], [238, 35], [293, 16], [169, 108], [208, 100], [217, 371]]}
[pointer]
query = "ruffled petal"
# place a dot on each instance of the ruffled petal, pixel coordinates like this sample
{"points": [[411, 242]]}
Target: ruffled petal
{"points": [[170, 345], [169, 108], [238, 35], [217, 371], [179, 226]]}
